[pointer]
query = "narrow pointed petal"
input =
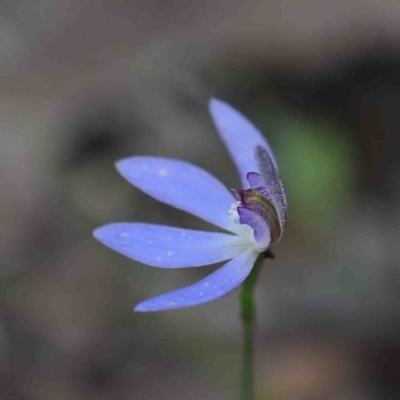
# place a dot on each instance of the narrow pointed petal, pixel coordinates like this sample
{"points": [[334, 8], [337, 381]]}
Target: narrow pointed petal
{"points": [[181, 185], [240, 136], [273, 183], [168, 247], [216, 285]]}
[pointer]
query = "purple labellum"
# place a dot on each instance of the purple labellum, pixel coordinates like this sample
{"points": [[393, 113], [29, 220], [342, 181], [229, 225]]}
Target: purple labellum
{"points": [[262, 233]]}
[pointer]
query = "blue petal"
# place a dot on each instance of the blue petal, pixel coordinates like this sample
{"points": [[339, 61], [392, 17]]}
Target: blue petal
{"points": [[167, 247], [181, 185], [212, 287], [240, 136]]}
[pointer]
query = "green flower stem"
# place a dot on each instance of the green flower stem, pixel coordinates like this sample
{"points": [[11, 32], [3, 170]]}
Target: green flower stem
{"points": [[248, 321]]}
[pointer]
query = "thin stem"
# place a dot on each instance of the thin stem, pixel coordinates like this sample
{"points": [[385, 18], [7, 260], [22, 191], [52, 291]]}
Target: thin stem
{"points": [[248, 321]]}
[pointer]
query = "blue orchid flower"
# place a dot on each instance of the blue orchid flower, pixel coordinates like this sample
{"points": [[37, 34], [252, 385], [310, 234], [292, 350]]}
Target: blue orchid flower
{"points": [[254, 216]]}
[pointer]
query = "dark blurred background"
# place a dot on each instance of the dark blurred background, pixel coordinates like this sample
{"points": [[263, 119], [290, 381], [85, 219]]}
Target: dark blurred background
{"points": [[85, 82]]}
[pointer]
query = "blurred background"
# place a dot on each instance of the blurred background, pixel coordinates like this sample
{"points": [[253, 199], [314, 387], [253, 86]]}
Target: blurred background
{"points": [[86, 82]]}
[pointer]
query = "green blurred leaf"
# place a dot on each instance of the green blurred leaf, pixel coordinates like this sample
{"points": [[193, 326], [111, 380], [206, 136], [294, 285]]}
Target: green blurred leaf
{"points": [[317, 163]]}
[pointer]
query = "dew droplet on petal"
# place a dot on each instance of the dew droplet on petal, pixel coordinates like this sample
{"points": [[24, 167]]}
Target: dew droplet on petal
{"points": [[206, 284], [169, 254], [162, 172], [171, 304], [159, 258], [123, 237]]}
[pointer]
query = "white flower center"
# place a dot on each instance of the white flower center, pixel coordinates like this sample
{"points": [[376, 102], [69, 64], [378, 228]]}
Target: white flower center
{"points": [[233, 212]]}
